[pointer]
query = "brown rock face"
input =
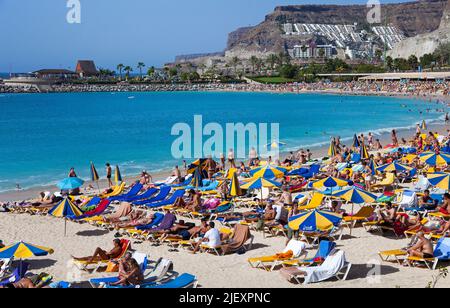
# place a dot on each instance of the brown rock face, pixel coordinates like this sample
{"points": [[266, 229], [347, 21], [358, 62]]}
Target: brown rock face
{"points": [[412, 18]]}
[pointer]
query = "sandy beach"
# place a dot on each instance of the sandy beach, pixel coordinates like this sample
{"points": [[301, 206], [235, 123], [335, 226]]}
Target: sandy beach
{"points": [[227, 271]]}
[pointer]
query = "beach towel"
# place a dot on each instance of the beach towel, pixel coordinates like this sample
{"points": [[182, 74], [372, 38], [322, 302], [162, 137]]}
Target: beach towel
{"points": [[332, 265], [166, 223], [123, 210], [241, 236], [211, 204]]}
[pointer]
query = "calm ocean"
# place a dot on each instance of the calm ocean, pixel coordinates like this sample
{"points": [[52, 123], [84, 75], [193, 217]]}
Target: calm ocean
{"points": [[43, 135]]}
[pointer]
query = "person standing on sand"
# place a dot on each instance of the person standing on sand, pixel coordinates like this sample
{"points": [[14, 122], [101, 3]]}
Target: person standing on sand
{"points": [[231, 158], [394, 138], [109, 174]]}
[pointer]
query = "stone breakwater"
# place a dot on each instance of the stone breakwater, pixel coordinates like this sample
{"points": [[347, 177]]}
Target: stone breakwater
{"points": [[412, 88]]}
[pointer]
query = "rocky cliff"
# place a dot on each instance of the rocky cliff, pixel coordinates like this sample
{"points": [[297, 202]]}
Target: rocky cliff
{"points": [[412, 18], [425, 43]]}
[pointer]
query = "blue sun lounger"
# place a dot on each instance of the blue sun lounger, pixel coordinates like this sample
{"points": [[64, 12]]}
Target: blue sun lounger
{"points": [[177, 194], [156, 221], [146, 195], [182, 281], [163, 193], [132, 193], [17, 274], [324, 250]]}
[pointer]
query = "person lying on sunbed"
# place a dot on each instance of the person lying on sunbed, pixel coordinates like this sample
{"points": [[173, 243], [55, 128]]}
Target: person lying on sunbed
{"points": [[185, 231], [103, 255], [141, 221], [211, 238], [31, 282], [423, 248], [129, 272], [134, 215], [445, 227], [167, 222]]}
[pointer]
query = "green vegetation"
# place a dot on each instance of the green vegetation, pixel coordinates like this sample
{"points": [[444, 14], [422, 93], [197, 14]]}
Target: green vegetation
{"points": [[273, 80]]}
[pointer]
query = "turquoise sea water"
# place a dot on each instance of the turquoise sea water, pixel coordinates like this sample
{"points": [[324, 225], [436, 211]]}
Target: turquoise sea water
{"points": [[43, 135]]}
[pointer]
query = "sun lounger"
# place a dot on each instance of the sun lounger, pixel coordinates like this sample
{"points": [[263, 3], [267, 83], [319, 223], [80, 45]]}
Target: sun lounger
{"points": [[5, 268], [177, 194], [324, 250], [99, 210], [160, 272], [163, 193], [95, 265], [138, 231], [315, 202], [363, 214], [16, 275], [333, 266], [145, 195], [396, 254], [182, 281], [388, 181], [269, 263], [134, 191], [117, 191]]}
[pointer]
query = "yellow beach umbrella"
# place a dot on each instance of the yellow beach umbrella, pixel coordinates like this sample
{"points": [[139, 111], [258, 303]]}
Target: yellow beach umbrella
{"points": [[332, 149]]}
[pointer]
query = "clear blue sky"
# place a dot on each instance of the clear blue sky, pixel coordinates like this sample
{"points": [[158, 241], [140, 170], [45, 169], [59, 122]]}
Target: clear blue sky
{"points": [[35, 34]]}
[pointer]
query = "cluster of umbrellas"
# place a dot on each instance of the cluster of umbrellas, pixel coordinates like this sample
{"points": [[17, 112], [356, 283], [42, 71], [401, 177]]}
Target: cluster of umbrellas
{"points": [[72, 183]]}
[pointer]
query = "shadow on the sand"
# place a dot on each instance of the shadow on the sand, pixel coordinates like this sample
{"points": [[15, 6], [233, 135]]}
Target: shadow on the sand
{"points": [[40, 264], [92, 233], [361, 271], [257, 246]]}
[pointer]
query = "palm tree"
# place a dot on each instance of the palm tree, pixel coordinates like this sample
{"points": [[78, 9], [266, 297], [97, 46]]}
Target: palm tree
{"points": [[272, 60], [253, 62], [235, 61], [128, 70], [151, 72], [140, 66], [120, 68]]}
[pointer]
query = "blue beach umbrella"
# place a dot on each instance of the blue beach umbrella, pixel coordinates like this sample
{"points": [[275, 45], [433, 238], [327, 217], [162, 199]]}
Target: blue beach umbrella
{"points": [[356, 143], [70, 183], [315, 221]]}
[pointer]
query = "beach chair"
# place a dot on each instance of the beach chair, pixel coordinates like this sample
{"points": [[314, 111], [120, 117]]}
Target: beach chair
{"points": [[386, 182], [363, 214], [5, 268], [144, 196], [164, 191], [170, 201], [116, 191], [134, 191], [315, 202], [181, 282], [96, 265], [269, 263], [323, 251], [137, 232], [16, 275], [160, 272], [408, 199], [441, 253], [99, 210], [397, 255], [217, 250], [334, 266]]}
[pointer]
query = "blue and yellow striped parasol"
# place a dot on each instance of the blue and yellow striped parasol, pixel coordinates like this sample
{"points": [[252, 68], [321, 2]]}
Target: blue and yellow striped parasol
{"points": [[330, 182], [433, 159], [315, 221], [24, 250], [65, 209], [440, 180], [257, 183], [94, 173], [332, 149], [268, 172], [373, 166], [395, 166], [117, 175], [235, 189], [356, 195], [356, 143], [364, 153]]}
